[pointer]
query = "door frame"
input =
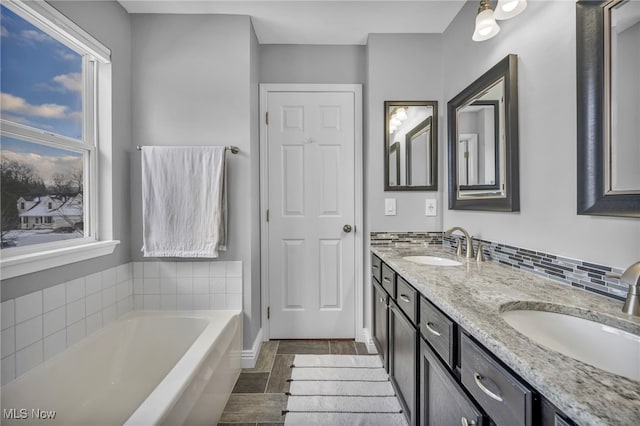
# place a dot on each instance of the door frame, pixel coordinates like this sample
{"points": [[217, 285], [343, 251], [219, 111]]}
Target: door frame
{"points": [[356, 89]]}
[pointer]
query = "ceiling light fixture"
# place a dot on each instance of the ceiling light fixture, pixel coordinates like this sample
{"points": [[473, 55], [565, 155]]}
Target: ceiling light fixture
{"points": [[507, 9], [486, 25]]}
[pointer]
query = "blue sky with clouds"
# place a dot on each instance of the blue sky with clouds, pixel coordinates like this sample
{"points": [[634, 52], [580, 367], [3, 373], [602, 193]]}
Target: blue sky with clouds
{"points": [[40, 79], [41, 86]]}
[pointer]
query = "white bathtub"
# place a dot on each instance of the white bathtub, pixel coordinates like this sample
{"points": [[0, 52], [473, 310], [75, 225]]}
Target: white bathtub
{"points": [[147, 368]]}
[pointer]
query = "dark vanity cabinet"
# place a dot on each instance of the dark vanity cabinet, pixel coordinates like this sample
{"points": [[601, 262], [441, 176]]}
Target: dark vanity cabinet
{"points": [[381, 323], [443, 401], [441, 375], [403, 339], [380, 311]]}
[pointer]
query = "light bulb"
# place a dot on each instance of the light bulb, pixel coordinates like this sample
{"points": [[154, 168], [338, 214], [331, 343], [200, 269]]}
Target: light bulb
{"points": [[507, 9], [486, 26]]}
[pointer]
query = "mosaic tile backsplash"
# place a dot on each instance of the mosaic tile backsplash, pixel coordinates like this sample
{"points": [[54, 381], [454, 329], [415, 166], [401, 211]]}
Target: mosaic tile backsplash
{"points": [[598, 279]]}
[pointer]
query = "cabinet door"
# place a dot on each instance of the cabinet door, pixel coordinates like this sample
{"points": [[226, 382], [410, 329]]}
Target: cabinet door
{"points": [[442, 401], [403, 357], [381, 323]]}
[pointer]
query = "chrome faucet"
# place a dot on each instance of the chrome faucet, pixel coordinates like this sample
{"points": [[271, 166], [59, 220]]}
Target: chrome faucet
{"points": [[631, 277], [450, 231]]}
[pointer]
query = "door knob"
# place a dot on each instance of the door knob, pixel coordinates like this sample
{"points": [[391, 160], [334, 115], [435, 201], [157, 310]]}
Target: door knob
{"points": [[346, 228]]}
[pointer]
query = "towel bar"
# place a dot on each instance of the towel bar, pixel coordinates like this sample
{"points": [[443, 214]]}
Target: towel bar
{"points": [[233, 149]]}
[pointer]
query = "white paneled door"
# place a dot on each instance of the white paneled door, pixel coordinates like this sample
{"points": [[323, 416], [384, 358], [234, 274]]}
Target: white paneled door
{"points": [[311, 247]]}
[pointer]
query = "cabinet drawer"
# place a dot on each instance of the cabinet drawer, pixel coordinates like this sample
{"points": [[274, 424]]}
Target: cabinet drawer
{"points": [[438, 330], [407, 299], [376, 267], [388, 279], [504, 397]]}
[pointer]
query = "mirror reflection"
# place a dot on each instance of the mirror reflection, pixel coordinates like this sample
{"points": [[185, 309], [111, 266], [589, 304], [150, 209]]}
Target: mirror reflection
{"points": [[623, 147], [410, 145], [480, 150]]}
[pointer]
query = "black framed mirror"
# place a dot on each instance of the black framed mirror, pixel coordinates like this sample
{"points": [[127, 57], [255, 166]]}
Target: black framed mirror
{"points": [[411, 146], [483, 142], [608, 65]]}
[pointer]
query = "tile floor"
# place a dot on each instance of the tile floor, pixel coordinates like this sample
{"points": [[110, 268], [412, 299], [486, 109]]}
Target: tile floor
{"points": [[258, 397]]}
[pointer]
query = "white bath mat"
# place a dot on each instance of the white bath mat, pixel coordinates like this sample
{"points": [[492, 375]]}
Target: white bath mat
{"points": [[340, 373], [344, 419], [334, 388], [365, 361], [341, 390], [344, 404]]}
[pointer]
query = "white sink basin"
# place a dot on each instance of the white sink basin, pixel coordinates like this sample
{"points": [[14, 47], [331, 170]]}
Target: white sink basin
{"points": [[608, 348], [432, 260]]}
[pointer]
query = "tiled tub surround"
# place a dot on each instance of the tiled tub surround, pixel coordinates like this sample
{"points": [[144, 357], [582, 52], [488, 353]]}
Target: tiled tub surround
{"points": [[213, 285], [39, 325], [577, 273], [472, 295]]}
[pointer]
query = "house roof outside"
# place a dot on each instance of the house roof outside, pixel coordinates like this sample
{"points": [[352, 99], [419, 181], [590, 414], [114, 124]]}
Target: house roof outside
{"points": [[72, 206]]}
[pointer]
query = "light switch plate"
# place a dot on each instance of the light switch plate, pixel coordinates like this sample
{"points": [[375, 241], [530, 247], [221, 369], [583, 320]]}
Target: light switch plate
{"points": [[390, 206], [430, 207]]}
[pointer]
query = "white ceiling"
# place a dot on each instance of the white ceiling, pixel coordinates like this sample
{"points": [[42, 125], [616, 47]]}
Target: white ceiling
{"points": [[318, 22]]}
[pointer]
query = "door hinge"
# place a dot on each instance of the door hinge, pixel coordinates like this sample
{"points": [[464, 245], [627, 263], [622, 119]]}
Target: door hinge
{"points": [[268, 312], [267, 215], [267, 118]]}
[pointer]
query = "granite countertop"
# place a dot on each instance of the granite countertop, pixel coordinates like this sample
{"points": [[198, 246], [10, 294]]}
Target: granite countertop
{"points": [[472, 295]]}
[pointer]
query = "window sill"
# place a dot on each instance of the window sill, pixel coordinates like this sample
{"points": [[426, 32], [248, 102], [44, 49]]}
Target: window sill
{"points": [[34, 262]]}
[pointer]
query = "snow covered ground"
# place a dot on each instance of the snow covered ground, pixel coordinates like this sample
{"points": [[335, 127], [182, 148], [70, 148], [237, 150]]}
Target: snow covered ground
{"points": [[38, 236]]}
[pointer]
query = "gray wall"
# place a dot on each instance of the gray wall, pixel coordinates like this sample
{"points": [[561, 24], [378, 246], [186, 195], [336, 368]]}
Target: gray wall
{"points": [[192, 85], [254, 289], [547, 117], [294, 63], [400, 67], [108, 22]]}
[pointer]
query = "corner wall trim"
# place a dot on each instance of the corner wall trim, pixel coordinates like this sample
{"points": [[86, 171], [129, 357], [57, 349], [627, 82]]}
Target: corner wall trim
{"points": [[368, 341], [250, 356]]}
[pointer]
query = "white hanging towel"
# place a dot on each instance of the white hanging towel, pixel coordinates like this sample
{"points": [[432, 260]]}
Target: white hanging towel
{"points": [[184, 201]]}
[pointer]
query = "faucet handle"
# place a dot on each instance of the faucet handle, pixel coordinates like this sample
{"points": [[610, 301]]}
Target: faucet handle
{"points": [[480, 254], [631, 277]]}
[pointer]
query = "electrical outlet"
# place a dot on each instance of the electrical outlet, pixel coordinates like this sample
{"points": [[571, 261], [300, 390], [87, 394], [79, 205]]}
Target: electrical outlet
{"points": [[430, 207], [390, 206]]}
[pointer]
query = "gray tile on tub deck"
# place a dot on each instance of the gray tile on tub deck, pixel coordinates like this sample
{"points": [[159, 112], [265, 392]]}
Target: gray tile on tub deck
{"points": [[254, 407], [266, 357], [303, 347], [342, 347], [280, 374]]}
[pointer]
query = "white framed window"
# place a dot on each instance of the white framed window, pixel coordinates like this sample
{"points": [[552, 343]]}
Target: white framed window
{"points": [[49, 144]]}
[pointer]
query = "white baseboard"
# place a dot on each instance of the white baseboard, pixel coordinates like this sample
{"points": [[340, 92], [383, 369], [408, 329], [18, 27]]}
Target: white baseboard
{"points": [[364, 336], [250, 356]]}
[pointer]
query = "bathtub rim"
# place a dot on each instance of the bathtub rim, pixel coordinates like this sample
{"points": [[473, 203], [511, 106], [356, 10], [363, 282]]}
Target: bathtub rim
{"points": [[213, 328], [158, 404]]}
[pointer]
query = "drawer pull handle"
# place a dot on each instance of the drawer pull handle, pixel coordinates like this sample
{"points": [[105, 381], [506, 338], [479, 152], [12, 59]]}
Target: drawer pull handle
{"points": [[466, 422], [483, 388], [381, 300], [387, 280], [375, 266], [431, 329], [405, 298]]}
